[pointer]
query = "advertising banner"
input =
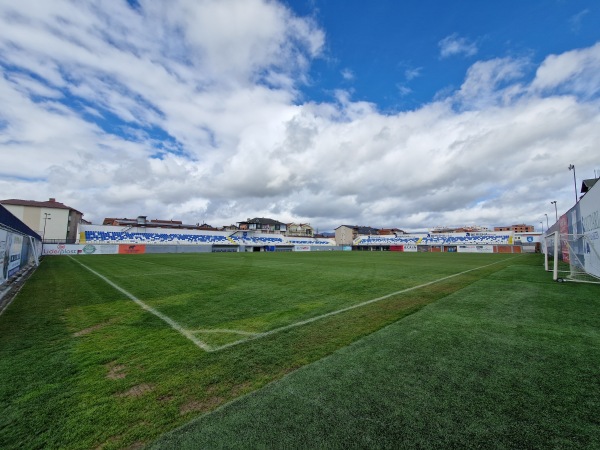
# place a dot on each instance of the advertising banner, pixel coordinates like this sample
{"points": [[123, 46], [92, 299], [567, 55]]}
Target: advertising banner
{"points": [[79, 249], [302, 248], [62, 249], [563, 224], [590, 225], [132, 249], [15, 243], [475, 249], [4, 256]]}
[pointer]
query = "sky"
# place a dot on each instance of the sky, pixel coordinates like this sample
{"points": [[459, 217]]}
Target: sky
{"points": [[407, 114]]}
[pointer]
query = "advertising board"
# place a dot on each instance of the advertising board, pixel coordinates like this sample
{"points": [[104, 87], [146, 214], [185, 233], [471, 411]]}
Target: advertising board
{"points": [[4, 257], [132, 249], [475, 249], [79, 249], [15, 245], [589, 209]]}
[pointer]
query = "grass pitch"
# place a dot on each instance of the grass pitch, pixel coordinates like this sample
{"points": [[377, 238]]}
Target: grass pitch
{"points": [[510, 361], [84, 366]]}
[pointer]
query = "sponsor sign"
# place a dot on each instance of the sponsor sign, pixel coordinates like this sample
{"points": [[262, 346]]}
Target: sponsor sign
{"points": [[302, 248], [79, 249], [132, 249], [475, 249], [15, 244], [563, 224], [62, 249], [590, 224], [4, 257]]}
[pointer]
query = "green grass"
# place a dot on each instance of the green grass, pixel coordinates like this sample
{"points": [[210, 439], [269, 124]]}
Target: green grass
{"points": [[511, 361], [257, 293], [82, 366]]}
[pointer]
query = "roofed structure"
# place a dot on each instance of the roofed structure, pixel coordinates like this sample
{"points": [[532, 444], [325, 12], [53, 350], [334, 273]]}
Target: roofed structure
{"points": [[586, 185], [263, 224]]}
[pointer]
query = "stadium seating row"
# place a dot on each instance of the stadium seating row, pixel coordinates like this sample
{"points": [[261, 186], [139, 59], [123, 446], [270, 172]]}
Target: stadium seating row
{"points": [[123, 237], [490, 239], [152, 238]]}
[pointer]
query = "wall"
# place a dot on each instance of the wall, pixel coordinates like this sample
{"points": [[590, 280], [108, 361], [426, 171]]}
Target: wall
{"points": [[33, 217], [344, 236], [121, 249]]}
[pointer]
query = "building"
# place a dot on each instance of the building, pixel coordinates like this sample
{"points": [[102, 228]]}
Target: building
{"points": [[346, 234], [521, 228], [390, 231], [52, 220], [143, 222], [263, 225], [467, 229], [299, 230]]}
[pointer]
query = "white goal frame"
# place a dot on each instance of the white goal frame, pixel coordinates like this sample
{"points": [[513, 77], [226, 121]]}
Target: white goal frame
{"points": [[556, 243]]}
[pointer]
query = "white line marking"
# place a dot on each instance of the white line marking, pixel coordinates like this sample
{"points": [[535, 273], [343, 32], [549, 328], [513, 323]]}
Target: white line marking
{"points": [[358, 305], [223, 330], [151, 310]]}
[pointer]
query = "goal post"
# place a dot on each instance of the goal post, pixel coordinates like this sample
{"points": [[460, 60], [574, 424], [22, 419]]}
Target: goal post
{"points": [[573, 257], [551, 247]]}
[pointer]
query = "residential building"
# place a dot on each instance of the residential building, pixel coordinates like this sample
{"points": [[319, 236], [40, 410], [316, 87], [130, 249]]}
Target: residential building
{"points": [[52, 220], [346, 234], [467, 229], [390, 231], [143, 222], [263, 225], [520, 228], [300, 230]]}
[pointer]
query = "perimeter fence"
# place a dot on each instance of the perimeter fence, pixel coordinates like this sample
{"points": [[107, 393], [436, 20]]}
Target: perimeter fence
{"points": [[20, 246]]}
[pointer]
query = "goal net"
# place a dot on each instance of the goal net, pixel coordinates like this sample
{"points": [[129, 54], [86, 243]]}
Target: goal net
{"points": [[573, 257]]}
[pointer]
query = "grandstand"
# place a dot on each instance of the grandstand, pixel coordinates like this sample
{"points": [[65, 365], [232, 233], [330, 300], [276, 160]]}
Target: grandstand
{"points": [[482, 242], [160, 240]]}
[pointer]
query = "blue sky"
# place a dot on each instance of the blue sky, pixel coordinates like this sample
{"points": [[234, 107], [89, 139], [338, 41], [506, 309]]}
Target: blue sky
{"points": [[394, 50], [388, 114]]}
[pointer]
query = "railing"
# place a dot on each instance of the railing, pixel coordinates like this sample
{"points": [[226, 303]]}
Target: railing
{"points": [[60, 241]]}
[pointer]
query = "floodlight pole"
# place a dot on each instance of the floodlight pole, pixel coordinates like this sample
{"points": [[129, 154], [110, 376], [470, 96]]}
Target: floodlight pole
{"points": [[547, 224], [555, 209], [542, 224], [46, 218], [572, 167]]}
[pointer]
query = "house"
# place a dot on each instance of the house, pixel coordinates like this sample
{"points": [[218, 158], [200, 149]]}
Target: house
{"points": [[520, 228], [263, 225], [390, 231], [468, 229], [143, 222], [54, 221], [346, 234], [300, 230]]}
